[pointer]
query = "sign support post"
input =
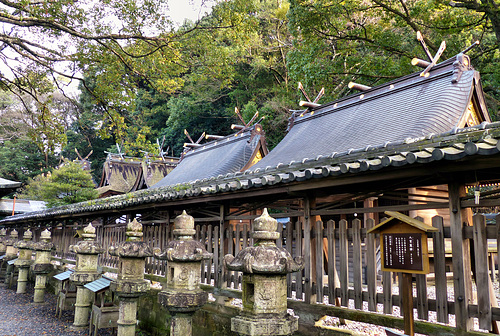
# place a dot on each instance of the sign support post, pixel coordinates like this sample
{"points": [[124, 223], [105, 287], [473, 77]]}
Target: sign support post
{"points": [[403, 245]]}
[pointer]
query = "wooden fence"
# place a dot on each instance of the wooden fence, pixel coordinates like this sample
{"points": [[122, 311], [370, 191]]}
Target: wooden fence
{"points": [[342, 266]]}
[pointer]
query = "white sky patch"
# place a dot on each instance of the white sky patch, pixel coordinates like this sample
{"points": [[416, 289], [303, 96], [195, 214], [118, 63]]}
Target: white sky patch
{"points": [[192, 10]]}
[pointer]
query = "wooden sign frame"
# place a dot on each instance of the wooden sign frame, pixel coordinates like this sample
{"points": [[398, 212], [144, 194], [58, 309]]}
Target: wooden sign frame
{"points": [[408, 250]]}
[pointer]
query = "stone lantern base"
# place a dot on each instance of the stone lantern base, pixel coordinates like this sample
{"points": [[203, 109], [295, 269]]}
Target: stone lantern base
{"points": [[245, 325]]}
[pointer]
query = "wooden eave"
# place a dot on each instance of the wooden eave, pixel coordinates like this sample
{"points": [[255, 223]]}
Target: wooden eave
{"points": [[403, 218]]}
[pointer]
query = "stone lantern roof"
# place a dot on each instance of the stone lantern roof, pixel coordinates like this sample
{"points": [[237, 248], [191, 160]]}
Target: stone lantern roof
{"points": [[25, 243], [184, 248], [265, 257]]}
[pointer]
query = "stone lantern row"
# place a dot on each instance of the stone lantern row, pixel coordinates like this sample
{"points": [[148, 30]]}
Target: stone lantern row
{"points": [[264, 268], [41, 266]]}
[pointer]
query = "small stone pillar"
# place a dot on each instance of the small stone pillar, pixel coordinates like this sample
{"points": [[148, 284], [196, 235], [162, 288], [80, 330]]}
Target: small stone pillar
{"points": [[10, 253], [3, 247], [130, 283], [42, 266], [264, 268], [181, 294], [24, 261], [87, 252]]}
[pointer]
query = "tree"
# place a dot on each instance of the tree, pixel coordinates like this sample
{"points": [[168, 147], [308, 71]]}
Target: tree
{"points": [[67, 184]]}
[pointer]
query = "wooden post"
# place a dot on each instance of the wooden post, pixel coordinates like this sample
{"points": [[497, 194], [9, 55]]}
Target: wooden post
{"points": [[307, 250], [371, 262], [318, 243], [407, 297], [462, 280], [356, 264], [344, 263], [440, 271]]}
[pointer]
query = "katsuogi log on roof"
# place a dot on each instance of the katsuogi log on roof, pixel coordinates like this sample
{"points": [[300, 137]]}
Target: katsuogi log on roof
{"points": [[410, 107], [229, 154]]}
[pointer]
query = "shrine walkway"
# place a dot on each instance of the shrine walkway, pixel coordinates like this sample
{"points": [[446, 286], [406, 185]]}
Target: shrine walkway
{"points": [[19, 317]]}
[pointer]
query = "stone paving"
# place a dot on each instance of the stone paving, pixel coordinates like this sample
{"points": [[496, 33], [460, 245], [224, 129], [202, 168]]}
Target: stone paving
{"points": [[20, 317]]}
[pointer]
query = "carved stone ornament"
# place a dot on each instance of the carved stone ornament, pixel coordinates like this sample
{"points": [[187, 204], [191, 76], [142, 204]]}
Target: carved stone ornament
{"points": [[184, 248], [25, 243], [12, 238], [265, 257], [44, 244], [88, 245]]}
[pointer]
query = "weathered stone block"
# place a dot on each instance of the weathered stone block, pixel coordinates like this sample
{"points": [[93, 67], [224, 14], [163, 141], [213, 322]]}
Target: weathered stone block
{"points": [[182, 302], [42, 268], [264, 326]]}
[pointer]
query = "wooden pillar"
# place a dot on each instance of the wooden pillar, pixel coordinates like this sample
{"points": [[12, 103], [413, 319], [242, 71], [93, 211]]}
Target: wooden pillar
{"points": [[307, 250], [407, 298], [462, 280], [370, 256]]}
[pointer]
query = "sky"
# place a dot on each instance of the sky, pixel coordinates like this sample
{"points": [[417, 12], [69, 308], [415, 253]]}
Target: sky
{"points": [[189, 9]]}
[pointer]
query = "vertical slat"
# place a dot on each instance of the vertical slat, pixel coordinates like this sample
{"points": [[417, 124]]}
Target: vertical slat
{"points": [[245, 236], [422, 303], [229, 274], [461, 259], [237, 243], [332, 267], [289, 245], [307, 250], [298, 249], [279, 242], [440, 271], [357, 264], [344, 263], [218, 274], [204, 263], [157, 245], [371, 266], [319, 261], [237, 249], [387, 284], [482, 274], [210, 249]]}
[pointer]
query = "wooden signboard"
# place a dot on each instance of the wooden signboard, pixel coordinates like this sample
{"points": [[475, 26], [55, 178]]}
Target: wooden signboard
{"points": [[403, 242]]}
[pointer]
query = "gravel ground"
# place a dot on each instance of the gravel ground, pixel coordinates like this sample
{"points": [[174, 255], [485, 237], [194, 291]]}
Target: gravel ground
{"points": [[20, 317]]}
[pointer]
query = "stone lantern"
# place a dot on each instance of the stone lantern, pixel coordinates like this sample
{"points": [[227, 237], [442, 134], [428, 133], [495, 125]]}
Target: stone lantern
{"points": [[87, 252], [264, 268], [10, 253], [181, 294], [24, 261], [3, 247], [130, 283], [42, 266]]}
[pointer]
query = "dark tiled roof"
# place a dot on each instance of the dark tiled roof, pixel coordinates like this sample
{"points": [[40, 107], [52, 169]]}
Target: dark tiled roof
{"points": [[227, 155], [408, 107], [457, 144]]}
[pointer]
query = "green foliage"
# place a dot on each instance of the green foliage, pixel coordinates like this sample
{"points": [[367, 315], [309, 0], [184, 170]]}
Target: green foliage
{"points": [[66, 185], [22, 159]]}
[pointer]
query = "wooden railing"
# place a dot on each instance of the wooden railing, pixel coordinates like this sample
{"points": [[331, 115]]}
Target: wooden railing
{"points": [[342, 268]]}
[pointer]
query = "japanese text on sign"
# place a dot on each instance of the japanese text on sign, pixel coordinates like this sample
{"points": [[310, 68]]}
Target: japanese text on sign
{"points": [[403, 251]]}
